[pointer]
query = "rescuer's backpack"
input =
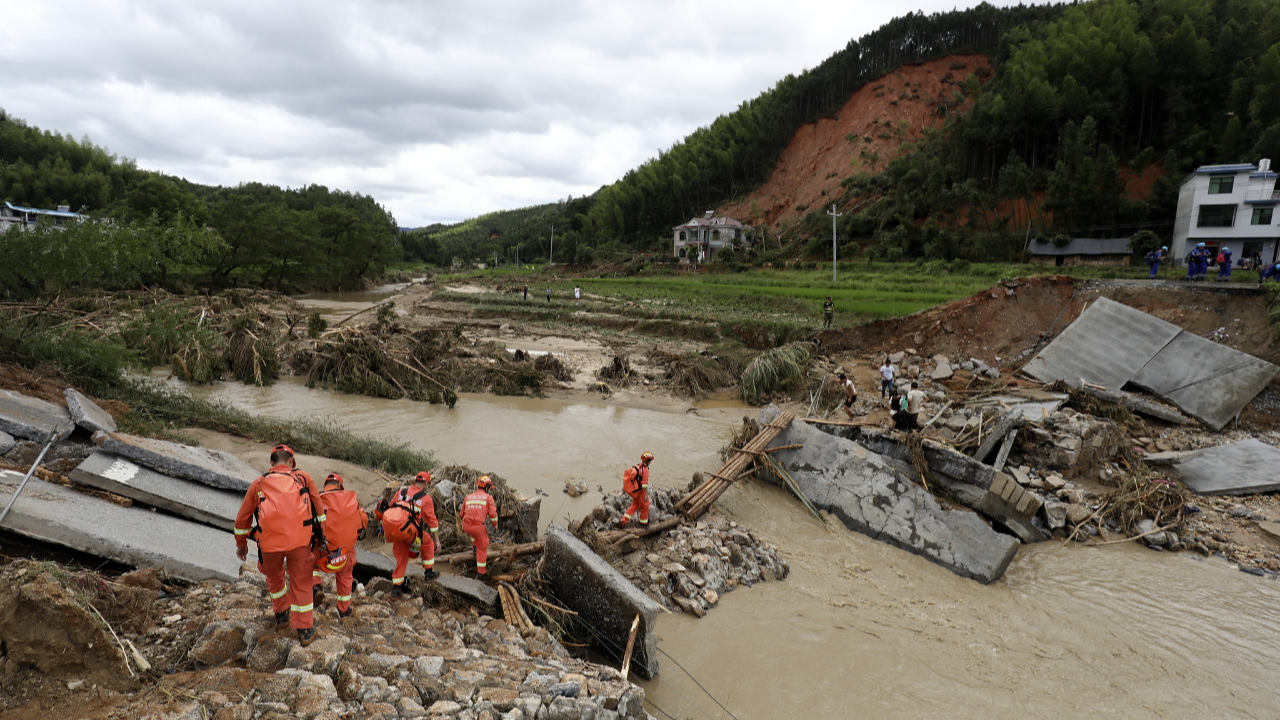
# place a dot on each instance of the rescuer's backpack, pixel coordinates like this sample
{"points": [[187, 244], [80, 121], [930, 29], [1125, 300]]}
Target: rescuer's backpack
{"points": [[284, 519], [401, 520], [631, 479]]}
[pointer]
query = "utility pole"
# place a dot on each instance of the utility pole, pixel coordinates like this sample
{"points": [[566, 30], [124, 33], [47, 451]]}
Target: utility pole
{"points": [[553, 246], [833, 215], [517, 256]]}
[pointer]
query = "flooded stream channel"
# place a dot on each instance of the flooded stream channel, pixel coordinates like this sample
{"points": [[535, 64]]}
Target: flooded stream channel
{"points": [[861, 629]]}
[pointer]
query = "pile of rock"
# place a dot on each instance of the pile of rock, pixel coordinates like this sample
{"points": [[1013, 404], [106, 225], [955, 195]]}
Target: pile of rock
{"points": [[1069, 440], [690, 566], [397, 660]]}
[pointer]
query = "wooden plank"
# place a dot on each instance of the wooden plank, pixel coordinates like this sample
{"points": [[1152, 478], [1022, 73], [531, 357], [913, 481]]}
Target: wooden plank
{"points": [[1007, 422], [631, 645]]}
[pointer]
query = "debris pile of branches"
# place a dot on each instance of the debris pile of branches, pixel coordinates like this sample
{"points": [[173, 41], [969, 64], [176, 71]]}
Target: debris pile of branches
{"points": [[694, 375], [1142, 497], [553, 367], [775, 372]]}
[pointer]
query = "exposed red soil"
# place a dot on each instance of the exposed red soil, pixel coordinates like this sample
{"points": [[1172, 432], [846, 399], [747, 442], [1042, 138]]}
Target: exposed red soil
{"points": [[999, 323], [863, 137]]}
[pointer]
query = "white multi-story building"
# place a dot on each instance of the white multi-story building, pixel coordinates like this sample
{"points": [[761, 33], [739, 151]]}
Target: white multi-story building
{"points": [[26, 218], [1228, 206], [702, 238]]}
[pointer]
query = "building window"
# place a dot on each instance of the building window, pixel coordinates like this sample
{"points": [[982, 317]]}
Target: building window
{"points": [[682, 235], [1262, 216], [1217, 216], [1221, 184]]}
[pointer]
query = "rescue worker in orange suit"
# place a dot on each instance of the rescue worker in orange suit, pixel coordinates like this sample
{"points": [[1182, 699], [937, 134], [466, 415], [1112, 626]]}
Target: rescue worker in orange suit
{"points": [[344, 523], [477, 508], [419, 520], [281, 512], [635, 481]]}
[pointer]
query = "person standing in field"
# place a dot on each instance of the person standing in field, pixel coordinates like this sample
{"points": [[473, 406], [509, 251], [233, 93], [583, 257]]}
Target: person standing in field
{"points": [[577, 294], [548, 295], [850, 394], [828, 312], [887, 372], [526, 293]]}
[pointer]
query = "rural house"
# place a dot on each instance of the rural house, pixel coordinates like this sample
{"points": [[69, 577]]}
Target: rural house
{"points": [[1227, 206], [26, 218], [1091, 252], [700, 239]]}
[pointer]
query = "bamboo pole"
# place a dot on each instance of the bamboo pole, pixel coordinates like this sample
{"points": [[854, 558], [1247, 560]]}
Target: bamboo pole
{"points": [[631, 645], [697, 502], [468, 555]]}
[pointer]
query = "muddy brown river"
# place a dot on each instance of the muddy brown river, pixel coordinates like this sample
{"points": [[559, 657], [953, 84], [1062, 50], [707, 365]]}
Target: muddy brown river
{"points": [[861, 629]]}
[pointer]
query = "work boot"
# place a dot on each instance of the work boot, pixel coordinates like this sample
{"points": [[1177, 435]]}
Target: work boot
{"points": [[622, 523], [306, 636], [397, 592], [317, 594], [282, 620], [344, 613], [431, 574]]}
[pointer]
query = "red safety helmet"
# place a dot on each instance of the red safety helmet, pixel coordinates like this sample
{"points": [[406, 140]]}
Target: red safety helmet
{"points": [[646, 457], [282, 448], [423, 476], [333, 479], [332, 562], [484, 482]]}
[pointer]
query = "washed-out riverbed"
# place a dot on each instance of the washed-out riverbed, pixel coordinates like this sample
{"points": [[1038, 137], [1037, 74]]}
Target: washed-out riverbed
{"points": [[861, 629]]}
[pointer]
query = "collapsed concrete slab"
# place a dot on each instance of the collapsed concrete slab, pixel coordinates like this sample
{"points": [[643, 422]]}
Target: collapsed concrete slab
{"points": [[872, 495], [604, 598], [1107, 345], [1211, 382], [1240, 468], [133, 536], [87, 414], [7, 442], [190, 499], [27, 418], [1112, 344], [469, 588], [212, 467]]}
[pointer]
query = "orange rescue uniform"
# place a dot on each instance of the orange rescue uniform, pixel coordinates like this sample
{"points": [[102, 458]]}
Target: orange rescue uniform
{"points": [[635, 481], [283, 502], [343, 522], [424, 510], [476, 508]]}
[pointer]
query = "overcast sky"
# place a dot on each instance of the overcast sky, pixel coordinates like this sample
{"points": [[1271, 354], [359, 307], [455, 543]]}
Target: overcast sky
{"points": [[440, 110]]}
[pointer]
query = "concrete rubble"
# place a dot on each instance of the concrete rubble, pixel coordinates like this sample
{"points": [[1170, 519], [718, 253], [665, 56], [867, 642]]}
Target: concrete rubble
{"points": [[190, 499], [130, 535], [87, 414], [1112, 344], [212, 467], [603, 598], [1238, 468], [872, 495], [26, 418]]}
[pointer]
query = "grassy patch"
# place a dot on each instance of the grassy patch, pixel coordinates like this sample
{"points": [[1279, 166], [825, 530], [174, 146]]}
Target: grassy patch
{"points": [[156, 410]]}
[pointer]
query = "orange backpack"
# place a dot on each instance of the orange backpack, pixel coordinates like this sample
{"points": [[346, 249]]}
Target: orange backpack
{"points": [[401, 520], [343, 517], [284, 518], [631, 480]]}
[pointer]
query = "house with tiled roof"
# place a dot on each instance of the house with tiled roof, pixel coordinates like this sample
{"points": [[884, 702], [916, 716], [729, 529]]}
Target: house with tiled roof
{"points": [[702, 238]]}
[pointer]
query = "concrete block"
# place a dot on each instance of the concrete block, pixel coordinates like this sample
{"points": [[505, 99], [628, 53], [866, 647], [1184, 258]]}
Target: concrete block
{"points": [[133, 536], [211, 467], [604, 598], [27, 418], [1240, 468], [469, 588], [872, 496], [7, 442], [87, 414], [187, 498]]}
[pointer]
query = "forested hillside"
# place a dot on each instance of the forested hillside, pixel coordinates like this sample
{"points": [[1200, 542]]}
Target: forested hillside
{"points": [[1084, 98], [165, 230]]}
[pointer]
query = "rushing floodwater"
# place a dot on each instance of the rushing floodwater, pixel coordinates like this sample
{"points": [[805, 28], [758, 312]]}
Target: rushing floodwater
{"points": [[861, 629]]}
